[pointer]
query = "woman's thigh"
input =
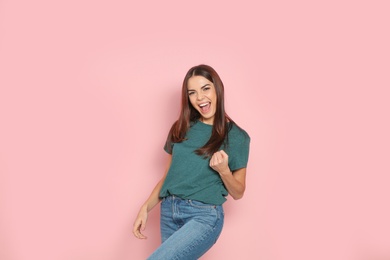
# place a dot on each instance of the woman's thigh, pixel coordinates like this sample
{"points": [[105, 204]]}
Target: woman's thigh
{"points": [[168, 223], [199, 226]]}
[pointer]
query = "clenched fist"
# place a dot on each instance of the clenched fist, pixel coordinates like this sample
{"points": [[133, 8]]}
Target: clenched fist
{"points": [[219, 162]]}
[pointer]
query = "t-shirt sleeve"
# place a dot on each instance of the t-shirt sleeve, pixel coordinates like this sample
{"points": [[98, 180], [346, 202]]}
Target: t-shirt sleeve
{"points": [[238, 151], [166, 146]]}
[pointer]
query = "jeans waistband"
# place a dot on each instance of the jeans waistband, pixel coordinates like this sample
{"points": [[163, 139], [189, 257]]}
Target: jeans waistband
{"points": [[176, 198]]}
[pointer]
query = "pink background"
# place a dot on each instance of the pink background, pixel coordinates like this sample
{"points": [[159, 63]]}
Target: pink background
{"points": [[89, 90]]}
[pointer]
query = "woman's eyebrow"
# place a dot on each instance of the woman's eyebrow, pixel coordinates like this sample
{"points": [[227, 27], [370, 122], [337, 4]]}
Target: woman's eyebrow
{"points": [[207, 84]]}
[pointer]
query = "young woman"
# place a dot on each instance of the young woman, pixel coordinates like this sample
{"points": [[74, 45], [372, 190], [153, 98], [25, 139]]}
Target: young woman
{"points": [[208, 155]]}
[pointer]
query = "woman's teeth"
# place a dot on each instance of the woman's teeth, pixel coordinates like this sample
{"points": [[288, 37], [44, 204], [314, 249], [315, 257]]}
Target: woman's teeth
{"points": [[204, 107]]}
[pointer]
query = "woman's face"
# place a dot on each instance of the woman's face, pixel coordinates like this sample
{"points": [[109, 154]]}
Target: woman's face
{"points": [[202, 96]]}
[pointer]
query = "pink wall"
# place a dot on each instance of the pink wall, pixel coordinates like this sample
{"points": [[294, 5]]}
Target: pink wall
{"points": [[89, 90]]}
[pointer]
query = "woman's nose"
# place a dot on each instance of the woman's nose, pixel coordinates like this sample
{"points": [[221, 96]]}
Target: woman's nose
{"points": [[200, 96]]}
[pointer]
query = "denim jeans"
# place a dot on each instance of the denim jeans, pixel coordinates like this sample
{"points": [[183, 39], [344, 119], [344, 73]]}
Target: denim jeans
{"points": [[188, 228]]}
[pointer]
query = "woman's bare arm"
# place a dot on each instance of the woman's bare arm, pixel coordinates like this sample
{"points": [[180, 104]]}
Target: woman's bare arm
{"points": [[234, 182], [153, 200]]}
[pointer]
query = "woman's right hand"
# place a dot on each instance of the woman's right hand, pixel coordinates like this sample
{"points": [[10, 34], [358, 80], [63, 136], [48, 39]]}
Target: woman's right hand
{"points": [[140, 223]]}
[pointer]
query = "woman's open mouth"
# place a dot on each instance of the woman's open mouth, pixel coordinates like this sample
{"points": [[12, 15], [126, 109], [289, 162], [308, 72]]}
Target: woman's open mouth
{"points": [[205, 107]]}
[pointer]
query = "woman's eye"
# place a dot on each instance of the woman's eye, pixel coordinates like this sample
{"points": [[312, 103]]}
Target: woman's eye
{"points": [[206, 88], [190, 93]]}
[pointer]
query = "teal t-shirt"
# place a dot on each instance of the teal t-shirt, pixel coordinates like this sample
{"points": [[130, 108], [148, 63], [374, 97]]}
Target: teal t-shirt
{"points": [[191, 177]]}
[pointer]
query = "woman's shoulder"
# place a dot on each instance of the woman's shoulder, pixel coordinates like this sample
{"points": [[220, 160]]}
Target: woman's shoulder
{"points": [[237, 132]]}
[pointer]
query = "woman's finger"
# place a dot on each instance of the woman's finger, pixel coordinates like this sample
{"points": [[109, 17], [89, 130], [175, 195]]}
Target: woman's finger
{"points": [[138, 225], [224, 154], [218, 157], [212, 160]]}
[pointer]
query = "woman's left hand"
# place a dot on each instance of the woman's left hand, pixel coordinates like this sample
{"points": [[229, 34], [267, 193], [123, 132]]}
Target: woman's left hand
{"points": [[219, 162]]}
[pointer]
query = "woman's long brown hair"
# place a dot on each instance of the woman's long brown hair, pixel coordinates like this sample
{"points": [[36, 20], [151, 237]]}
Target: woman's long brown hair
{"points": [[188, 114]]}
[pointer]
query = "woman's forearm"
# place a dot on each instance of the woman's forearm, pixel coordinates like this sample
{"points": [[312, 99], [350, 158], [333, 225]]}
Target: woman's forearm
{"points": [[154, 197], [234, 182]]}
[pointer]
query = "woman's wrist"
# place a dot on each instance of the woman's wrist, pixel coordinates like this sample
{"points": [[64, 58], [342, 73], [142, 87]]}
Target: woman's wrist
{"points": [[225, 172], [145, 207]]}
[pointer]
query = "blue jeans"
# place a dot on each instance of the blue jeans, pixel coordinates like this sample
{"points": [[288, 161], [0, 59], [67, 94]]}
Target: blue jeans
{"points": [[188, 228]]}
